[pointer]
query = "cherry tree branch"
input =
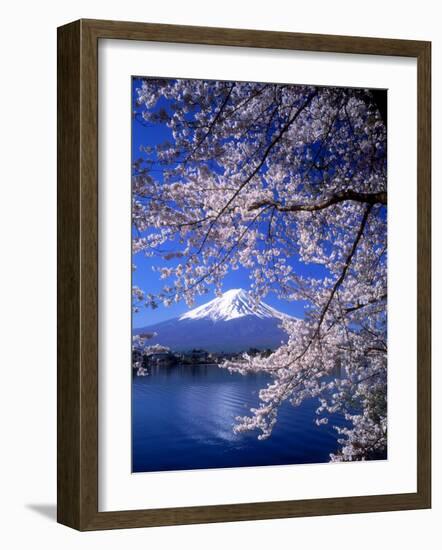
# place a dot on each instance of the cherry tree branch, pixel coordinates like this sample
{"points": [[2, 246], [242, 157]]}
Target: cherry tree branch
{"points": [[342, 196], [346, 265], [260, 164], [212, 124]]}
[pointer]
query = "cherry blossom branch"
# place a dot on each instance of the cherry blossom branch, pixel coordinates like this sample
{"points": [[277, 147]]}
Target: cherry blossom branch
{"points": [[346, 265], [212, 124], [342, 196], [260, 164]]}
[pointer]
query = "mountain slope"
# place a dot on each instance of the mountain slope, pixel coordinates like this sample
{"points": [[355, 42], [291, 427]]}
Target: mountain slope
{"points": [[230, 323]]}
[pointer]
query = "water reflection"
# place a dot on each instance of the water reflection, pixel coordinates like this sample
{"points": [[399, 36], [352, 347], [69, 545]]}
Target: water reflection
{"points": [[182, 418]]}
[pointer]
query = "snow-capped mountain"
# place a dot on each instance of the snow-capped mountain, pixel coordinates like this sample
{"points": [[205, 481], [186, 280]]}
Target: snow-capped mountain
{"points": [[229, 323], [233, 304]]}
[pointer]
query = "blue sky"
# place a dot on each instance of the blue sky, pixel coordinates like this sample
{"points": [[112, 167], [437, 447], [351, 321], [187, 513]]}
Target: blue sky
{"points": [[149, 281]]}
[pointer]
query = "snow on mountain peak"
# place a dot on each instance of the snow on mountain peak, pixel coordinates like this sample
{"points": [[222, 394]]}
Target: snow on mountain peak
{"points": [[232, 304]]}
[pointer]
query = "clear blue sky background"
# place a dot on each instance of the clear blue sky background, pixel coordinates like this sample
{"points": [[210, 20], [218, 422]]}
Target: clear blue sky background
{"points": [[149, 281]]}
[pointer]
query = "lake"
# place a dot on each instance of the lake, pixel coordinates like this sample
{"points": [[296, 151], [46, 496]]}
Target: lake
{"points": [[182, 419]]}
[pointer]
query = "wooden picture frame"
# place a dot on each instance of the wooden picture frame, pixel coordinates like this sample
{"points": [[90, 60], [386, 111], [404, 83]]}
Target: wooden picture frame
{"points": [[78, 274]]}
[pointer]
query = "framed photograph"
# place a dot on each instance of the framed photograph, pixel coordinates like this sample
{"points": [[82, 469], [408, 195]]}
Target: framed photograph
{"points": [[243, 275]]}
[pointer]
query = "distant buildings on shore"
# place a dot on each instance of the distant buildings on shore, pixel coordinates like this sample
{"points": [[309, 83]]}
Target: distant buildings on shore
{"points": [[192, 357]]}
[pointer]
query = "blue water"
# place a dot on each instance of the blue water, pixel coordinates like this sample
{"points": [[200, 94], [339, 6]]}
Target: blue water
{"points": [[182, 419]]}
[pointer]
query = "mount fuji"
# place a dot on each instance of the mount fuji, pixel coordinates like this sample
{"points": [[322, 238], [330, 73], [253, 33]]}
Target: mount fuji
{"points": [[229, 323]]}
